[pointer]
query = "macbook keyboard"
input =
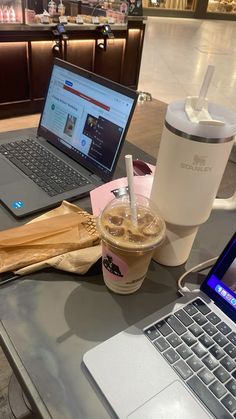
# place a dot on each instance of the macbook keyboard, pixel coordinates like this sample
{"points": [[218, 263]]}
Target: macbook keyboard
{"points": [[44, 168], [201, 348]]}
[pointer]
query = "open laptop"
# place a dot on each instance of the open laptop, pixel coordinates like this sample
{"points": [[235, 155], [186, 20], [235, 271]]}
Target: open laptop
{"points": [[79, 138], [179, 362]]}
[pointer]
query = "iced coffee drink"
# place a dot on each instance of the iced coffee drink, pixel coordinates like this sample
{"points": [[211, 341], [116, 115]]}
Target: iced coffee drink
{"points": [[127, 247]]}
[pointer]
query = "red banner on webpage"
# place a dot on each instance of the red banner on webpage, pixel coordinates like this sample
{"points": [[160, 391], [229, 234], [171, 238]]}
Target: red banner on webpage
{"points": [[89, 99]]}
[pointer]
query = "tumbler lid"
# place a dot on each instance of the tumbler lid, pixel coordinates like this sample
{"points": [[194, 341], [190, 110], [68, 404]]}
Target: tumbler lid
{"points": [[177, 118]]}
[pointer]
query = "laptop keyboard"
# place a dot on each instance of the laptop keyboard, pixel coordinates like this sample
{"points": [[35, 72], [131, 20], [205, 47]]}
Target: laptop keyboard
{"points": [[45, 169], [201, 348]]}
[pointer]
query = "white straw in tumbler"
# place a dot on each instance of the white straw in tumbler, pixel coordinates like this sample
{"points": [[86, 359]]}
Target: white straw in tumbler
{"points": [[130, 178], [205, 87]]}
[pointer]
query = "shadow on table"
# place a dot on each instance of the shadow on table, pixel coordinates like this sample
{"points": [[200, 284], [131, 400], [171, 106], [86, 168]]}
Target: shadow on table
{"points": [[95, 313]]}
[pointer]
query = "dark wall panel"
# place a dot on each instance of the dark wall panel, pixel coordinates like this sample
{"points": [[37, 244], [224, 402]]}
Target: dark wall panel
{"points": [[81, 53], [132, 57], [41, 62], [14, 83], [109, 63]]}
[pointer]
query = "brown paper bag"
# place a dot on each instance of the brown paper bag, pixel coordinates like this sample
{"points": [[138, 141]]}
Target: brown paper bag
{"points": [[77, 261], [66, 229]]}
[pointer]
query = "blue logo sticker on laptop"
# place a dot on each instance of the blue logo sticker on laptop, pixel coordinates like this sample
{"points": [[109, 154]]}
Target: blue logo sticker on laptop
{"points": [[18, 204]]}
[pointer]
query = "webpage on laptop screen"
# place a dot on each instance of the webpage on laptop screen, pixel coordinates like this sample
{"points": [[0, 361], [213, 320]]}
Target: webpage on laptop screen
{"points": [[86, 116]]}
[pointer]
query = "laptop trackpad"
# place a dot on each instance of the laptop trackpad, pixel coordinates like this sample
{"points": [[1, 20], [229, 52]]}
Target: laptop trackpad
{"points": [[173, 402], [8, 174]]}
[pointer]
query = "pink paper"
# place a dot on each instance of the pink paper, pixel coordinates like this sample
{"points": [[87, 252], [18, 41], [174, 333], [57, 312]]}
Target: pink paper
{"points": [[103, 194]]}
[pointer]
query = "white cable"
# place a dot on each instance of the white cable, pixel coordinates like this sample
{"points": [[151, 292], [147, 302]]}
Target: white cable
{"points": [[207, 264]]}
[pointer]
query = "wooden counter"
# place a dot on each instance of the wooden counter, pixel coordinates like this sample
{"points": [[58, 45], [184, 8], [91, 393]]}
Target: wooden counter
{"points": [[26, 55]]}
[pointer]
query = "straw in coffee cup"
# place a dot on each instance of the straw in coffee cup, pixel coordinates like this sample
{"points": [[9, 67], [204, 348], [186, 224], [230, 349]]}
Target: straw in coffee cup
{"points": [[130, 178]]}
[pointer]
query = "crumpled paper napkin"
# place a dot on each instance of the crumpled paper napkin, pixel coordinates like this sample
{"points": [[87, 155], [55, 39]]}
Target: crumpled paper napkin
{"points": [[65, 238]]}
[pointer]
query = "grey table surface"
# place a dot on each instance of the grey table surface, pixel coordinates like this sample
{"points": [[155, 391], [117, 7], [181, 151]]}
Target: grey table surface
{"points": [[50, 319]]}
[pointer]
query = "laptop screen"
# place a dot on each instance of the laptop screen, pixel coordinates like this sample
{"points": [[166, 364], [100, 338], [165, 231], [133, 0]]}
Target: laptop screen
{"points": [[220, 283], [86, 116]]}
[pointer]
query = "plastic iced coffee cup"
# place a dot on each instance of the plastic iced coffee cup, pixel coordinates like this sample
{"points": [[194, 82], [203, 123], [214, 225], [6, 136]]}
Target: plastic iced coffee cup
{"points": [[128, 246]]}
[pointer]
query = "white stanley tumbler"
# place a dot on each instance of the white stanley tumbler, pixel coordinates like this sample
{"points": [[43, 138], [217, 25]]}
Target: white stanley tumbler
{"points": [[190, 165]]}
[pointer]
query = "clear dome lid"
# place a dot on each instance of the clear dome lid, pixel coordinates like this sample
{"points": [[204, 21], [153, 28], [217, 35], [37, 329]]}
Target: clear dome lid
{"points": [[116, 226]]}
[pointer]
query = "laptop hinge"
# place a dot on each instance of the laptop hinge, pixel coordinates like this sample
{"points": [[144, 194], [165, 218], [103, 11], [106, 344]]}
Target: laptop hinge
{"points": [[96, 178]]}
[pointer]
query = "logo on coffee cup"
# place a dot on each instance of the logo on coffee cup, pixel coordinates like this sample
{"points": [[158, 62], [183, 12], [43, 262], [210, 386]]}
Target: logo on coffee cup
{"points": [[111, 266]]}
